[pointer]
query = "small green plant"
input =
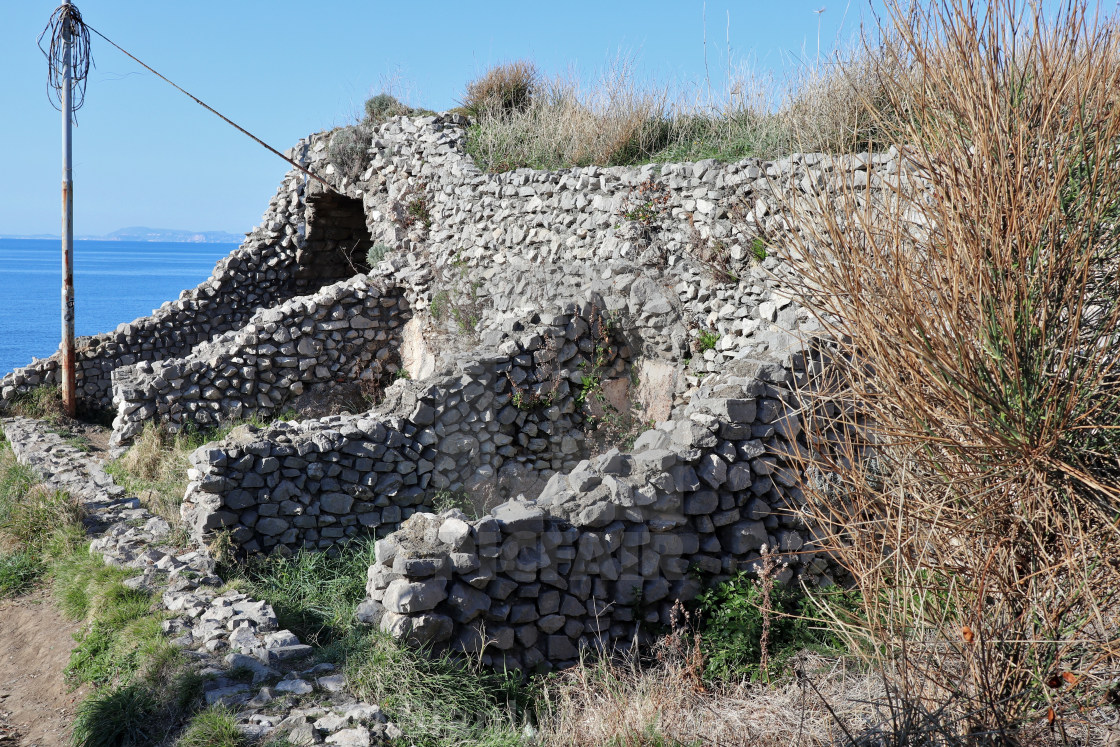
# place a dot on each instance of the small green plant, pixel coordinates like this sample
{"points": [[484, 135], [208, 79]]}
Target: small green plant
{"points": [[651, 198], [526, 399], [439, 304], [417, 211], [377, 253], [707, 340], [382, 106], [445, 500], [214, 727], [402, 373], [750, 627], [758, 249], [587, 388]]}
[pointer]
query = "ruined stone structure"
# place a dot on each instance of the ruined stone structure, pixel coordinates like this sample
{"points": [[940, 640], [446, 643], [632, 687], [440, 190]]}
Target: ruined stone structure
{"points": [[526, 307]]}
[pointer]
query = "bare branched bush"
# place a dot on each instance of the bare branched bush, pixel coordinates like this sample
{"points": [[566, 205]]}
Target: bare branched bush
{"points": [[964, 421]]}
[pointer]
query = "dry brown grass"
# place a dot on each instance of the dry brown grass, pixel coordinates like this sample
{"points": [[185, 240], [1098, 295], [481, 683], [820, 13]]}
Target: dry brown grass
{"points": [[155, 470], [966, 420], [624, 702], [567, 123]]}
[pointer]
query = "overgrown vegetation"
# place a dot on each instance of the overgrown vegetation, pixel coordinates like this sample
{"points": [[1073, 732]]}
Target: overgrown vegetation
{"points": [[313, 593], [36, 525], [523, 119], [348, 147], [214, 727], [458, 299], [965, 419]]}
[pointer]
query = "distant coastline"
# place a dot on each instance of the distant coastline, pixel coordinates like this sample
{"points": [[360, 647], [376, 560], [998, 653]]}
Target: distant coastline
{"points": [[144, 233]]}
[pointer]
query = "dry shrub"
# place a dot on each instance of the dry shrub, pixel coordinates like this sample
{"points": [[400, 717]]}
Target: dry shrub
{"points": [[502, 90], [965, 419], [155, 469]]}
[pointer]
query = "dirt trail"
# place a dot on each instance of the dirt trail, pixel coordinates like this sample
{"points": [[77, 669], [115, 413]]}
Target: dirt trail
{"points": [[36, 705]]}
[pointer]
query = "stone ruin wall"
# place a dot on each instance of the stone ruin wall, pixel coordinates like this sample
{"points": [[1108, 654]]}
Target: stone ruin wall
{"points": [[490, 423], [259, 369], [264, 271], [608, 548]]}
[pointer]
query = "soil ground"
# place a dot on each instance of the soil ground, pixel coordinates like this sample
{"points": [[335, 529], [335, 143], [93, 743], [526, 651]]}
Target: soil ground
{"points": [[36, 704]]}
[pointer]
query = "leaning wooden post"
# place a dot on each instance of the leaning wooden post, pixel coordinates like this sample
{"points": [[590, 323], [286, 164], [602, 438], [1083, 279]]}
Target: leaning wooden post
{"points": [[69, 386]]}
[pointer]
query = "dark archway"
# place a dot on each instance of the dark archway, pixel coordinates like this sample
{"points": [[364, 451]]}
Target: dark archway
{"points": [[336, 243]]}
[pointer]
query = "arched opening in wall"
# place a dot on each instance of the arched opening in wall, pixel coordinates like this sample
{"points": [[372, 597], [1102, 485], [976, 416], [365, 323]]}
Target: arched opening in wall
{"points": [[336, 243]]}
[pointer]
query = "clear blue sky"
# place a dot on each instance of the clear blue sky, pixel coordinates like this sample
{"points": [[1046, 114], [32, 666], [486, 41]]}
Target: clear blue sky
{"points": [[146, 155]]}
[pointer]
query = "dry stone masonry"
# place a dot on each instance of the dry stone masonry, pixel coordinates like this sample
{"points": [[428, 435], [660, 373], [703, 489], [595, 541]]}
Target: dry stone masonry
{"points": [[608, 548], [259, 369], [247, 662], [494, 420]]}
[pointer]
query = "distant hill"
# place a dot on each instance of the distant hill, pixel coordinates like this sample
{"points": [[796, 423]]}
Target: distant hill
{"points": [[143, 233]]}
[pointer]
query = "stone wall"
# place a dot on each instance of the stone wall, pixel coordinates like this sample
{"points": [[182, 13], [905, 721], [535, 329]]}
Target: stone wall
{"points": [[678, 247], [610, 546], [260, 368], [492, 422]]}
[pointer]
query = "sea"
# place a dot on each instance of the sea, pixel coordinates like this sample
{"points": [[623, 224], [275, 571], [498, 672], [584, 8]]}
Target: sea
{"points": [[114, 282]]}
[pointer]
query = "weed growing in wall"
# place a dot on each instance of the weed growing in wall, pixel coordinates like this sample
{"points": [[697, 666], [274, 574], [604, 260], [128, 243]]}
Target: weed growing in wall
{"points": [[713, 254], [376, 253], [458, 298], [706, 340]]}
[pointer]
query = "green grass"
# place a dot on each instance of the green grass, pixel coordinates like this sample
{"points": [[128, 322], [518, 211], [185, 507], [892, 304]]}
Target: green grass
{"points": [[116, 717], [214, 727], [436, 700], [19, 571], [707, 340], [313, 593], [155, 466], [41, 403]]}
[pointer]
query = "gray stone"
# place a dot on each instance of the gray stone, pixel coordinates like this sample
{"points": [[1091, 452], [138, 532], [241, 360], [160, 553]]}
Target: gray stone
{"points": [[405, 597]]}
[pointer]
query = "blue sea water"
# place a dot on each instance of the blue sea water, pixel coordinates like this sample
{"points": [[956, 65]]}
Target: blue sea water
{"points": [[114, 282]]}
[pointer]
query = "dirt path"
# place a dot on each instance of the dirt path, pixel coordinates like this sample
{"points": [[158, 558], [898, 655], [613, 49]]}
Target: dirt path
{"points": [[36, 705]]}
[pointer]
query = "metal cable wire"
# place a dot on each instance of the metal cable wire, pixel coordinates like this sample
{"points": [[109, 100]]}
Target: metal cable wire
{"points": [[66, 19], [214, 111]]}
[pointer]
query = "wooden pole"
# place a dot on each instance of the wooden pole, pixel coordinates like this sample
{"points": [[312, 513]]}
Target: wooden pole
{"points": [[69, 386]]}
